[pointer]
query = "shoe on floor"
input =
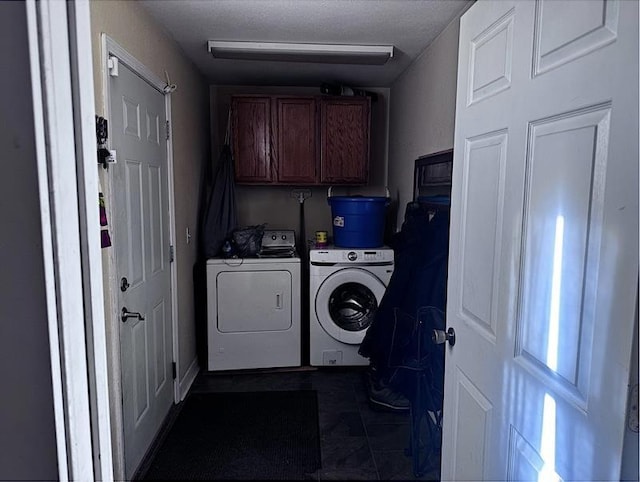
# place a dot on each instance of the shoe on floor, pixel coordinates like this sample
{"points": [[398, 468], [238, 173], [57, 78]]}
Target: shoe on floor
{"points": [[383, 397]]}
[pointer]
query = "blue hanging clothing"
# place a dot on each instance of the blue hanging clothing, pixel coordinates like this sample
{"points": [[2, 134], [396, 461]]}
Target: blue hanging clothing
{"points": [[419, 281]]}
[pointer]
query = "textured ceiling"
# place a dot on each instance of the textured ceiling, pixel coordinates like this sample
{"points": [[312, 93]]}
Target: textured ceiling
{"points": [[409, 25]]}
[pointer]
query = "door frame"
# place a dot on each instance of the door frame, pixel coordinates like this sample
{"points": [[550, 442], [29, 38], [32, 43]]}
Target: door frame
{"points": [[110, 46], [64, 127]]}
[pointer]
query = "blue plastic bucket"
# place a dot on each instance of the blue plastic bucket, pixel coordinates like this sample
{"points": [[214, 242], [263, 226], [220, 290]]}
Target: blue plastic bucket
{"points": [[358, 221]]}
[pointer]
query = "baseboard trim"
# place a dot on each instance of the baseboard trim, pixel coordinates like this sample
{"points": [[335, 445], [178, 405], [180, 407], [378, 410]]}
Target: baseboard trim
{"points": [[189, 378]]}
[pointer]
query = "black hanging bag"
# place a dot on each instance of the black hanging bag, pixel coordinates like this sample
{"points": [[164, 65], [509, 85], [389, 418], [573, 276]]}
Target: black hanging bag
{"points": [[220, 219]]}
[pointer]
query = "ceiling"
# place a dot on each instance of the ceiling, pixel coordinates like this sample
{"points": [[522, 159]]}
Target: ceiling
{"points": [[409, 25]]}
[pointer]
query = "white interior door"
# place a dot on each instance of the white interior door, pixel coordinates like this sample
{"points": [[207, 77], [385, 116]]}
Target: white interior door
{"points": [[543, 266], [141, 240]]}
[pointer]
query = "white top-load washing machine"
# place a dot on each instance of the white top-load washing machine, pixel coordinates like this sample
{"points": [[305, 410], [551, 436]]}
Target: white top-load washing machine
{"points": [[346, 287], [253, 307]]}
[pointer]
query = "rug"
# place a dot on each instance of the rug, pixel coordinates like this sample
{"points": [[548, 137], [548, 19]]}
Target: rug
{"points": [[271, 435]]}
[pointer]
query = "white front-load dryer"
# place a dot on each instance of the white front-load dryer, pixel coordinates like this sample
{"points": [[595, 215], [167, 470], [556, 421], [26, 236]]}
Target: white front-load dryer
{"points": [[346, 287], [253, 313]]}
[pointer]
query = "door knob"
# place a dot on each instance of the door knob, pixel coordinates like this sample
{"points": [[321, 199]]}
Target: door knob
{"points": [[130, 314], [440, 336]]}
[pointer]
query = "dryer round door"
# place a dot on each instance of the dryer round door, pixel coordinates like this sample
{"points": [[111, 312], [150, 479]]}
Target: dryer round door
{"points": [[346, 303]]}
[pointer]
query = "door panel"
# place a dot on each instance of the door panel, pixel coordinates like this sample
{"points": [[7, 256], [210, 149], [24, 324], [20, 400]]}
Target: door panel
{"points": [[141, 237], [557, 41], [158, 250], [563, 207], [134, 231], [472, 428], [524, 460], [131, 117], [141, 400], [160, 329], [544, 223], [491, 53], [153, 127], [485, 160]]}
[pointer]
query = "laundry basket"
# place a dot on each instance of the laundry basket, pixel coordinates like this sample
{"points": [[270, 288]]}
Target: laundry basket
{"points": [[358, 221]]}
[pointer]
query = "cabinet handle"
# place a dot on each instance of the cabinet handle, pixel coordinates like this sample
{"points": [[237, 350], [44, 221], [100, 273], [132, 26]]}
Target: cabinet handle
{"points": [[278, 301]]}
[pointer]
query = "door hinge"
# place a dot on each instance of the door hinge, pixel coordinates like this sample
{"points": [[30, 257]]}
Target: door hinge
{"points": [[168, 129], [172, 254], [174, 369], [112, 65]]}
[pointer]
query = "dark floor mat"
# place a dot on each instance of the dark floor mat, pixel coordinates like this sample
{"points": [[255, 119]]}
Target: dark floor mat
{"points": [[242, 436]]}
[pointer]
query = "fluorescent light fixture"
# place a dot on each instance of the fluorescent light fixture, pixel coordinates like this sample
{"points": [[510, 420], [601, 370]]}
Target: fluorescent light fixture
{"points": [[292, 52]]}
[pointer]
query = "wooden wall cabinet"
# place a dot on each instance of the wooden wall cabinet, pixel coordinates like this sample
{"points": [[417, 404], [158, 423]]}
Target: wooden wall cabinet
{"points": [[305, 140], [344, 134], [296, 146], [251, 139]]}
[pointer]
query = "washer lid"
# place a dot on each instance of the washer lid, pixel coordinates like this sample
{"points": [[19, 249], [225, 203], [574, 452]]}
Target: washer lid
{"points": [[346, 303]]}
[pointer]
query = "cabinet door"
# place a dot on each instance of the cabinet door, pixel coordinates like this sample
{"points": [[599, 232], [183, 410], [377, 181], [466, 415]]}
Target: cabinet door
{"points": [[251, 121], [296, 140], [345, 140]]}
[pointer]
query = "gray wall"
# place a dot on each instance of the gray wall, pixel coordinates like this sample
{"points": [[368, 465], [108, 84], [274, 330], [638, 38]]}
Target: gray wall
{"points": [[274, 205], [422, 114], [27, 431]]}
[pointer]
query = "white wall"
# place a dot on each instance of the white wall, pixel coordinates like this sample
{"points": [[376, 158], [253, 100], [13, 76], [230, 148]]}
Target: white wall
{"points": [[422, 114], [27, 431]]}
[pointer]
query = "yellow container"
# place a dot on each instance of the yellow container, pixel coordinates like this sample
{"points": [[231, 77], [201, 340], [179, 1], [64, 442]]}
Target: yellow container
{"points": [[321, 239]]}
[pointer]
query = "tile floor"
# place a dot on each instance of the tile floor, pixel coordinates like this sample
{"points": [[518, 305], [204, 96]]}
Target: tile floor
{"points": [[357, 442]]}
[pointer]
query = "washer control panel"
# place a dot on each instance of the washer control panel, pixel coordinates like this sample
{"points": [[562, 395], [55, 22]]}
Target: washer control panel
{"points": [[351, 256]]}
